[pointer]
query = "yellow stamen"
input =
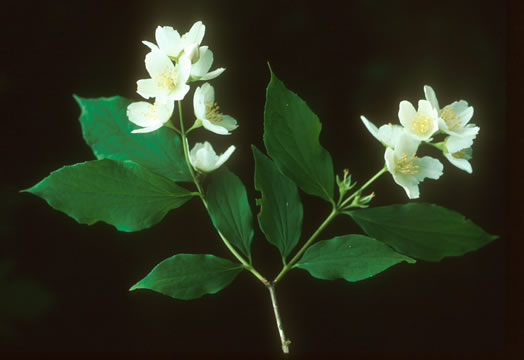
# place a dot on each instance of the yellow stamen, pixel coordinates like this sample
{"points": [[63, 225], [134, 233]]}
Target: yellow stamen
{"points": [[421, 124], [406, 164], [450, 117], [459, 154], [165, 79], [152, 113], [212, 112]]}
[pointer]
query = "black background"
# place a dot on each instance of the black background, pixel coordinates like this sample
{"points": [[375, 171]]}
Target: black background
{"points": [[65, 286]]}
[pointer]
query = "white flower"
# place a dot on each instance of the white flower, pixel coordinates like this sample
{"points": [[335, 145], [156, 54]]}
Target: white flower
{"points": [[204, 159], [168, 40], [386, 134], [460, 158], [421, 123], [171, 43], [207, 111], [149, 117], [454, 118], [168, 82], [407, 169], [199, 70]]}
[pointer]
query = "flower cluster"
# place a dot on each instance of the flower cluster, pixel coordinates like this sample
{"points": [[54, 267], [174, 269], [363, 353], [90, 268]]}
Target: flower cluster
{"points": [[419, 126], [173, 63]]}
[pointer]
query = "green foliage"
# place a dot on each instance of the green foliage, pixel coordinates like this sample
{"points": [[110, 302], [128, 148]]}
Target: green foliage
{"points": [[280, 216], [107, 130], [423, 231], [121, 193], [350, 257], [189, 276], [291, 136], [229, 209]]}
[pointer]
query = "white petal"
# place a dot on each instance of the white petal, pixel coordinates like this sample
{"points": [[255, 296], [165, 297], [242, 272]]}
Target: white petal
{"points": [[457, 143], [195, 34], [183, 70], [389, 134], [425, 107], [199, 104], [168, 40], [470, 130], [458, 106], [463, 111], [206, 158], [217, 129], [150, 117], [147, 129], [213, 74], [192, 52], [148, 88], [389, 157], [178, 93], [406, 144], [193, 152], [208, 92], [157, 63], [409, 184], [228, 122], [203, 158], [371, 127], [406, 113], [462, 164], [202, 66], [225, 156], [431, 96], [428, 168], [136, 113], [165, 111], [150, 45], [443, 126]]}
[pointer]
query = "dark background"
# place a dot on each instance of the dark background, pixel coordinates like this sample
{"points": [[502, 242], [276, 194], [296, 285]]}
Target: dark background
{"points": [[64, 286]]}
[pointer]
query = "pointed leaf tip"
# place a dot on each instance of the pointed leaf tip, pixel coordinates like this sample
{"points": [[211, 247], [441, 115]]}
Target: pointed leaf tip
{"points": [[291, 137], [121, 193], [421, 230], [350, 257], [190, 276]]}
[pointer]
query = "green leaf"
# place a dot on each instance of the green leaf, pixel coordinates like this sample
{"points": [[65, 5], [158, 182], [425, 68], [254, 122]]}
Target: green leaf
{"points": [[350, 257], [280, 216], [123, 194], [189, 276], [229, 209], [291, 136], [423, 231], [107, 130]]}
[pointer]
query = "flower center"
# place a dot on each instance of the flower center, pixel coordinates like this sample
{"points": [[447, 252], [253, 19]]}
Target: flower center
{"points": [[166, 79], [406, 164], [421, 124], [459, 154], [450, 117], [212, 112], [152, 113]]}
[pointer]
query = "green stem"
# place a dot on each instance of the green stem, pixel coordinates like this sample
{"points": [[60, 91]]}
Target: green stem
{"points": [[283, 340], [331, 216], [298, 255], [171, 126], [230, 247]]}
